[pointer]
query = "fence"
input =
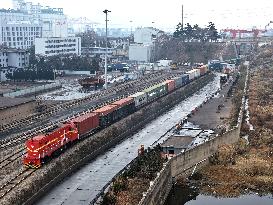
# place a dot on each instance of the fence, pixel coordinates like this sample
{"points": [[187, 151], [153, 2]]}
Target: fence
{"points": [[33, 90]]}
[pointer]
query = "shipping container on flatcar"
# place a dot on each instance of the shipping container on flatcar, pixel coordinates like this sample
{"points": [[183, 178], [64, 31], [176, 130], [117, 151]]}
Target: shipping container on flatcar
{"points": [[44, 145], [152, 92], [170, 85], [107, 114], [140, 98], [126, 106], [203, 70], [163, 89], [156, 91], [196, 73], [86, 123], [185, 79], [191, 74], [177, 82]]}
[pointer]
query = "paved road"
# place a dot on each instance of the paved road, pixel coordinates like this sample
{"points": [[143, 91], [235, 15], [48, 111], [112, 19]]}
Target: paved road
{"points": [[209, 116], [83, 186]]}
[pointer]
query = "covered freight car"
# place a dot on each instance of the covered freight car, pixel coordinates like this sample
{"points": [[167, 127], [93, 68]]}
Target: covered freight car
{"points": [[107, 115], [126, 106], [86, 123]]}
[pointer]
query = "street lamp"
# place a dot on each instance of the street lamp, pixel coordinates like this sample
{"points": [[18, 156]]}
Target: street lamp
{"points": [[106, 40], [131, 28]]}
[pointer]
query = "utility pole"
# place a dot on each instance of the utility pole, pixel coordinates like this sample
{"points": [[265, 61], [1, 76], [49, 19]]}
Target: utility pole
{"points": [[182, 20], [106, 50]]}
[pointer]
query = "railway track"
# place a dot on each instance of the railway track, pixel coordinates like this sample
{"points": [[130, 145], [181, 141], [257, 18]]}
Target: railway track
{"points": [[130, 89], [63, 106], [9, 185], [12, 157]]}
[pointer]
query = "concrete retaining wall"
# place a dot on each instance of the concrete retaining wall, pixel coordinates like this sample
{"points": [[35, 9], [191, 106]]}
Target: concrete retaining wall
{"points": [[158, 192], [180, 164]]}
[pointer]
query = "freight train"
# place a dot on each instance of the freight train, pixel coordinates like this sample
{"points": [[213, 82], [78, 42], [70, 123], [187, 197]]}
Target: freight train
{"points": [[42, 147]]}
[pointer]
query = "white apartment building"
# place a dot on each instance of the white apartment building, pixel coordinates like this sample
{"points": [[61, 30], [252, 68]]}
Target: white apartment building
{"points": [[144, 44], [20, 27], [53, 21], [54, 24], [18, 30], [19, 35], [141, 53], [58, 46], [11, 59], [146, 35]]}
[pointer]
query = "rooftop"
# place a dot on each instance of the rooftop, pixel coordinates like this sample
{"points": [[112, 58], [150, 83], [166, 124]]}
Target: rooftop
{"points": [[177, 141]]}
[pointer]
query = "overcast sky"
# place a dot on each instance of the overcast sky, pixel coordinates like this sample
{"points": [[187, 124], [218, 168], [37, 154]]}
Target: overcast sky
{"points": [[167, 13]]}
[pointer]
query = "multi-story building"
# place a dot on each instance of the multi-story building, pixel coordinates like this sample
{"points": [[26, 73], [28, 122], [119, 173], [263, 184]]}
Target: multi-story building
{"points": [[141, 52], [20, 34], [144, 44], [53, 20], [18, 30], [10, 59], [92, 51], [16, 58], [58, 46], [146, 35], [20, 27]]}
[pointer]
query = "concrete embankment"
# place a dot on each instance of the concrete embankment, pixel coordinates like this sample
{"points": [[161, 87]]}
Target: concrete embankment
{"points": [[183, 163], [49, 175]]}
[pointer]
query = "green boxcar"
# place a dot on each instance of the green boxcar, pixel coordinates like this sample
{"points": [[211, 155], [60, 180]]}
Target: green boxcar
{"points": [[156, 91]]}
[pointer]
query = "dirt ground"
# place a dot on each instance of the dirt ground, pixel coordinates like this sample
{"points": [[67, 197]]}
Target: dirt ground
{"points": [[246, 166], [209, 116]]}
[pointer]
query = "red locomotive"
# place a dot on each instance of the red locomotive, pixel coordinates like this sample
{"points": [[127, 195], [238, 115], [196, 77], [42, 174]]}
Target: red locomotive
{"points": [[43, 146]]}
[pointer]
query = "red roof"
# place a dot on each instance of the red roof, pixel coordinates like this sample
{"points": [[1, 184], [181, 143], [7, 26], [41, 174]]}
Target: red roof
{"points": [[106, 109]]}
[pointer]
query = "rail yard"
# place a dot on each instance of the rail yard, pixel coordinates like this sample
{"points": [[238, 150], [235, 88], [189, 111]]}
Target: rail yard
{"points": [[136, 112], [13, 146]]}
